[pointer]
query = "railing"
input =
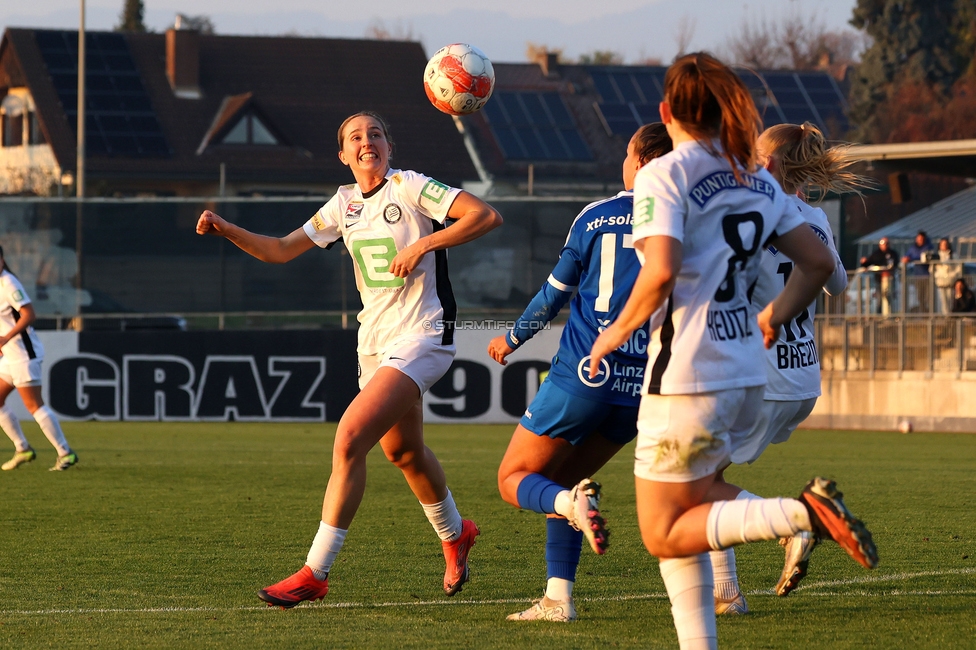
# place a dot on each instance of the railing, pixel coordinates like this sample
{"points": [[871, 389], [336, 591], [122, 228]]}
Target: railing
{"points": [[892, 292], [897, 343]]}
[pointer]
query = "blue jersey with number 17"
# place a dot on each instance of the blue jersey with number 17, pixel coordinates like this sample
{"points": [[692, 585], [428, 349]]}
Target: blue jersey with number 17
{"points": [[599, 261]]}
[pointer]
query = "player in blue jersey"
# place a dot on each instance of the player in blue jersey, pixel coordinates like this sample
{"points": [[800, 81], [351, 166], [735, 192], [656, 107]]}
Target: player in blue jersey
{"points": [[576, 424], [701, 215]]}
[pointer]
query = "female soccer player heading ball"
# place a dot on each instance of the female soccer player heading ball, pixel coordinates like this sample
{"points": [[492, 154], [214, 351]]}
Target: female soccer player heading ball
{"points": [[392, 223], [701, 215]]}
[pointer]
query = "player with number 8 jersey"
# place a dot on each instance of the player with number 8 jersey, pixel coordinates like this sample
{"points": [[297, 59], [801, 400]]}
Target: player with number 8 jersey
{"points": [[393, 224]]}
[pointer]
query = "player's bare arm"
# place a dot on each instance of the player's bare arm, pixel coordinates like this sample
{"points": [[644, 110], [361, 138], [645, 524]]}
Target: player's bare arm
{"points": [[814, 265], [275, 250], [473, 219], [654, 284]]}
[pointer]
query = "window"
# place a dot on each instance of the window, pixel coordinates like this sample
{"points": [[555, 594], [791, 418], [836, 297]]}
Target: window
{"points": [[249, 130]]}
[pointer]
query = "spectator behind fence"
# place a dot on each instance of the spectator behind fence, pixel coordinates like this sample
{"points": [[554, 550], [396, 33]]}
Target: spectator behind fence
{"points": [[917, 271], [965, 301], [885, 259], [945, 276]]}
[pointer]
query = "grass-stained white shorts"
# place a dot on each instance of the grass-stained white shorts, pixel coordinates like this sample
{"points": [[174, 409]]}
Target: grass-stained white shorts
{"points": [[682, 438], [777, 420], [423, 360], [21, 373]]}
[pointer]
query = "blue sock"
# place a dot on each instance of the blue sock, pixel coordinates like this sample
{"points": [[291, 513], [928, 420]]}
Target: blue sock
{"points": [[537, 493], [563, 544]]}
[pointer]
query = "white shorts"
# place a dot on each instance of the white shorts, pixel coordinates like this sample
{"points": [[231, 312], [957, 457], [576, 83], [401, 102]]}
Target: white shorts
{"points": [[682, 438], [777, 420], [21, 373], [422, 360]]}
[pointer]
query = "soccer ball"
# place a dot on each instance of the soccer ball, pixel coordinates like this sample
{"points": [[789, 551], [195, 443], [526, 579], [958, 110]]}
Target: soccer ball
{"points": [[459, 79], [905, 426]]}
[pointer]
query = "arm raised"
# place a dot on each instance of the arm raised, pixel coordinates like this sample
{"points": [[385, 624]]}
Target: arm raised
{"points": [[276, 250]]}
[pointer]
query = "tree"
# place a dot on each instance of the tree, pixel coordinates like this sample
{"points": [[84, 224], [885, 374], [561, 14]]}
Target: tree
{"points": [[601, 57], [398, 31], [916, 44], [130, 20], [684, 33], [795, 42]]}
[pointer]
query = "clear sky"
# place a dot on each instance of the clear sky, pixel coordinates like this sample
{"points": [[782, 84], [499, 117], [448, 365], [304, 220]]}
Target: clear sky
{"points": [[636, 29]]}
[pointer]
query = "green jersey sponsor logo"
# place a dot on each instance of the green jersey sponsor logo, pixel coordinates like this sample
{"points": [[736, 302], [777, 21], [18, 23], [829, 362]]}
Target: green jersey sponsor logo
{"points": [[17, 295], [374, 257], [434, 191], [644, 211]]}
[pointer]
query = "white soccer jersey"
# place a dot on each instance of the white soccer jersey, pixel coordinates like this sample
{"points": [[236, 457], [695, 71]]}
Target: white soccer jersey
{"points": [[25, 346], [793, 364], [374, 227], [705, 336]]}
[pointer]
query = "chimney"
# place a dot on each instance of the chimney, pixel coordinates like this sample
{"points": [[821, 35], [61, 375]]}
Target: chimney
{"points": [[183, 62], [550, 64]]}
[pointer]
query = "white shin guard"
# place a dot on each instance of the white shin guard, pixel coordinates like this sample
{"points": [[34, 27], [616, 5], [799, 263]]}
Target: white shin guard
{"points": [[752, 520]]}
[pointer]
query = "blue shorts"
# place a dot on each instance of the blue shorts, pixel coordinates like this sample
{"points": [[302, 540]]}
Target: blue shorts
{"points": [[557, 414]]}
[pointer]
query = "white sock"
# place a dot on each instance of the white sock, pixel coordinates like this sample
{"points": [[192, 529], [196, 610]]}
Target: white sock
{"points": [[325, 547], [723, 565], [751, 520], [689, 584], [559, 589], [445, 518], [724, 574], [564, 504], [52, 429], [11, 426]]}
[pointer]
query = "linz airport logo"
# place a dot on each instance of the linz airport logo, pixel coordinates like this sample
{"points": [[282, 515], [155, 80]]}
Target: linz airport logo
{"points": [[392, 213]]}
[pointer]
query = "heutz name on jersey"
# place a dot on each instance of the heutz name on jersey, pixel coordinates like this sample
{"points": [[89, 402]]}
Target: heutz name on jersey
{"points": [[374, 256]]}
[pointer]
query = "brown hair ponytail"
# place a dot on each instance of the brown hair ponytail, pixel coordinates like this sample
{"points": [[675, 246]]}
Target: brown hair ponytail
{"points": [[708, 99], [805, 161]]}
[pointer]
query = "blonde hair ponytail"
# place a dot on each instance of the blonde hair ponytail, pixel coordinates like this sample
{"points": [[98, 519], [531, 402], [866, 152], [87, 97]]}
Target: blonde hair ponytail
{"points": [[806, 162]]}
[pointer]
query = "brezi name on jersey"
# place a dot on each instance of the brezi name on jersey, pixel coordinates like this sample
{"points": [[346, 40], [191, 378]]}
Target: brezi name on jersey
{"points": [[796, 355]]}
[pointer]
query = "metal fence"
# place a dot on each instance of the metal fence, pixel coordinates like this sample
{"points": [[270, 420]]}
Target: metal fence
{"points": [[900, 291], [897, 343]]}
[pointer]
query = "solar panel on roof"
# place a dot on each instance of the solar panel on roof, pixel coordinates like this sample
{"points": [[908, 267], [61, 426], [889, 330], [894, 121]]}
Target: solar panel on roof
{"points": [[119, 114], [626, 86], [601, 80], [534, 126]]}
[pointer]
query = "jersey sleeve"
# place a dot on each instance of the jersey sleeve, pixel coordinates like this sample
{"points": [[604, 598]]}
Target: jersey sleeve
{"points": [[324, 226], [13, 292], [837, 282], [553, 295], [431, 197], [659, 203]]}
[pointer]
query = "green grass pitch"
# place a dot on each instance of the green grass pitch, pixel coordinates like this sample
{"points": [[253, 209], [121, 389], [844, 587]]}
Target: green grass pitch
{"points": [[164, 532]]}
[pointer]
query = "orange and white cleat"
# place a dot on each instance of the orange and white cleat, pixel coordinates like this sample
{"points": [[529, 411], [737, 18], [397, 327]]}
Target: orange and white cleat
{"points": [[456, 556], [586, 515], [294, 589], [831, 519]]}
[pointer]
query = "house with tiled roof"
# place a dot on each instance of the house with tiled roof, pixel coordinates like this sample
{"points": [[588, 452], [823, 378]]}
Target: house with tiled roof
{"points": [[175, 113]]}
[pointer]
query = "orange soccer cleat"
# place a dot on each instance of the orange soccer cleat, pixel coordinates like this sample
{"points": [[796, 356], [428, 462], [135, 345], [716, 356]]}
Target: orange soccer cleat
{"points": [[456, 556], [831, 519], [294, 589]]}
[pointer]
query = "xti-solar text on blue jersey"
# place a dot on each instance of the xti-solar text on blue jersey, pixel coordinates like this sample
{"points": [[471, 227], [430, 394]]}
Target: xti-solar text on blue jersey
{"points": [[599, 260]]}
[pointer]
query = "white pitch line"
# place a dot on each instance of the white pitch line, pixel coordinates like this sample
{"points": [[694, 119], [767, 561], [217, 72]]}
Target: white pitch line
{"points": [[814, 587]]}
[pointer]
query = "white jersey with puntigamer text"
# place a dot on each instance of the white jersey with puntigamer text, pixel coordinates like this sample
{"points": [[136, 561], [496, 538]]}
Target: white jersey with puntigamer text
{"points": [[374, 227], [25, 346], [793, 363], [705, 336]]}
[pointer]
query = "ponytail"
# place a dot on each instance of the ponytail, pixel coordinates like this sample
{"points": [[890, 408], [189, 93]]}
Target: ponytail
{"points": [[805, 162], [708, 99]]}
